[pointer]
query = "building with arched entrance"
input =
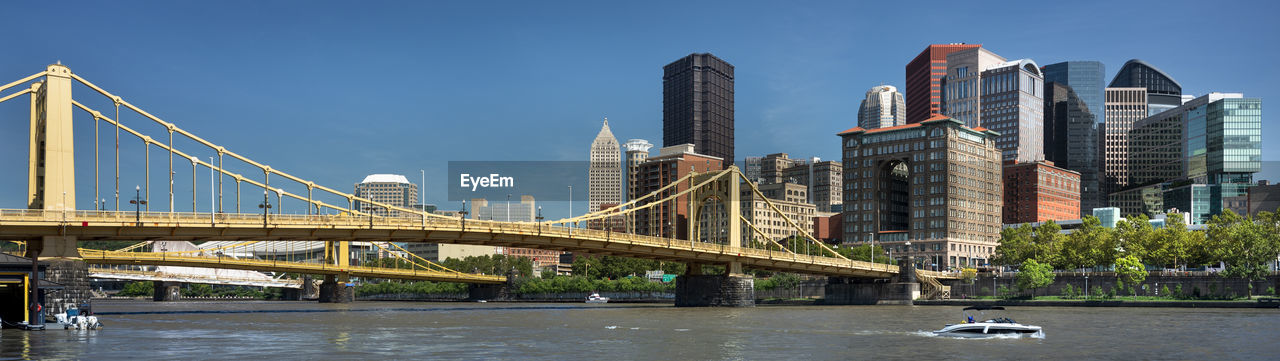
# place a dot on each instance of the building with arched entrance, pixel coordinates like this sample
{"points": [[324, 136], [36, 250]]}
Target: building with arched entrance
{"points": [[930, 189]]}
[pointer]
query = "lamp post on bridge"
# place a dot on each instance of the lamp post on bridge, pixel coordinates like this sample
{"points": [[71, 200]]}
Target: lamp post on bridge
{"points": [[539, 218], [462, 215], [369, 208], [137, 203], [266, 205]]}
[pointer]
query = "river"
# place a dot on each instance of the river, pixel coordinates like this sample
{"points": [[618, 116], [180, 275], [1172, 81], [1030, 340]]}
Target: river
{"points": [[405, 330]]}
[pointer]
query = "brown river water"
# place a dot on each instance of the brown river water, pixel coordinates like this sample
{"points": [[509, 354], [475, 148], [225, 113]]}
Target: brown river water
{"points": [[245, 330]]}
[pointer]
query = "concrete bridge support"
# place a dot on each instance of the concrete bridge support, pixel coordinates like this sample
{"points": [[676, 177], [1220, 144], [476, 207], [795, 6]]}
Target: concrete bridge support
{"points": [[902, 290], [732, 289], [336, 290], [492, 292], [167, 291]]}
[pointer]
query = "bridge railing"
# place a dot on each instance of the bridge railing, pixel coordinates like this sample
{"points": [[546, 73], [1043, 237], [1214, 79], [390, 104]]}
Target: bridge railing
{"points": [[414, 223]]}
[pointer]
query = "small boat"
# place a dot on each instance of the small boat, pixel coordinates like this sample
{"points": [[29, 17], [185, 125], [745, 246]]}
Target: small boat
{"points": [[989, 326], [595, 298], [73, 319]]}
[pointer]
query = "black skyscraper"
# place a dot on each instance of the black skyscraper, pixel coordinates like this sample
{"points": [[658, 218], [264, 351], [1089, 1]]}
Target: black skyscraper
{"points": [[697, 105], [1071, 140]]}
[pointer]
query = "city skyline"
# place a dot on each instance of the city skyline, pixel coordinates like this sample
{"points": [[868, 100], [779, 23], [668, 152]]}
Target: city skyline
{"points": [[218, 84]]}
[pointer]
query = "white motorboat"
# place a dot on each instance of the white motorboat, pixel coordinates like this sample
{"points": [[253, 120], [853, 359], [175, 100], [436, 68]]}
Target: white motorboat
{"points": [[595, 298], [73, 319], [994, 326]]}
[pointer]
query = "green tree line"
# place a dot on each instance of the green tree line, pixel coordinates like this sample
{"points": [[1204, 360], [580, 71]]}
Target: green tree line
{"points": [[1245, 245]]}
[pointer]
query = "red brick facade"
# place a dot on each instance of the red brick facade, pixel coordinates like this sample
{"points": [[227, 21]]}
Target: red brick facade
{"points": [[924, 80], [1040, 191]]}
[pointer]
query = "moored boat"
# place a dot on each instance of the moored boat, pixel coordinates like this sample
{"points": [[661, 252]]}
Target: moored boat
{"points": [[595, 298]]}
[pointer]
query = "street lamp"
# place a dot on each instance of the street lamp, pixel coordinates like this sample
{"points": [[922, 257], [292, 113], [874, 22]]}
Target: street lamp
{"points": [[1086, 286], [539, 218], [872, 252], [369, 208], [266, 205], [103, 205], [462, 215], [508, 207], [909, 250], [137, 203]]}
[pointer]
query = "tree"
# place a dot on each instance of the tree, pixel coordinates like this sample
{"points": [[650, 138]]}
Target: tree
{"points": [[1048, 244], [1244, 245], [137, 289], [493, 265], [1133, 235], [1084, 247], [614, 267], [863, 252], [1131, 271], [1033, 275], [1172, 243], [1016, 245]]}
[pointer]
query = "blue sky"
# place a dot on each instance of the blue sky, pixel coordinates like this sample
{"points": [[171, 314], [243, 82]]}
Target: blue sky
{"points": [[332, 91]]}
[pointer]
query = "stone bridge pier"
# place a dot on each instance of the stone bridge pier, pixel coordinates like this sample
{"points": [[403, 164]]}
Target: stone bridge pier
{"points": [[337, 289], [166, 291], [732, 289], [901, 290]]}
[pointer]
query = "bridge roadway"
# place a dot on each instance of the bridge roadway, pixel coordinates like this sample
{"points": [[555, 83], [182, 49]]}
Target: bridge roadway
{"points": [[110, 225]]}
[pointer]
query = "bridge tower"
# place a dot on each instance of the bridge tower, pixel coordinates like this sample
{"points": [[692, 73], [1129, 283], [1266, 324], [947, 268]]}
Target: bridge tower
{"points": [[720, 223], [51, 183]]}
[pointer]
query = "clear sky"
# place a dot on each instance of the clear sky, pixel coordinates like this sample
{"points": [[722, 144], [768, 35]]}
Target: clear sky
{"points": [[332, 91]]}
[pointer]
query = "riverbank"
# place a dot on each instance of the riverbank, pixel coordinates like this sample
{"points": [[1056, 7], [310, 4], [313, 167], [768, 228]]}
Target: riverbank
{"points": [[1262, 303]]}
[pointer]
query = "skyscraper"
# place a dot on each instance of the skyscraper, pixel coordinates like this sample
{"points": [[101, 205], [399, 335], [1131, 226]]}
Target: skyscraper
{"points": [[924, 76], [697, 105], [1071, 141], [604, 174], [637, 153], [1198, 157], [390, 189], [1163, 93], [882, 108], [1086, 78], [1124, 107], [1013, 104], [1074, 114], [961, 87]]}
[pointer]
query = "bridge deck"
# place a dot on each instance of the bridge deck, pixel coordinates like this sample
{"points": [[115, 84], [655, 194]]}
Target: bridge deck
{"points": [[109, 225]]}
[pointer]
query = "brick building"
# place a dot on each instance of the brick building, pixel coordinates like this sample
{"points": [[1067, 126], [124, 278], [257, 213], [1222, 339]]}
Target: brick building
{"points": [[672, 163], [1040, 191], [934, 183]]}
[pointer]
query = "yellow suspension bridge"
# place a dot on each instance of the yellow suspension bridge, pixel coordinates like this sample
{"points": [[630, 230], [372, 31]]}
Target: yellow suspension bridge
{"points": [[52, 223]]}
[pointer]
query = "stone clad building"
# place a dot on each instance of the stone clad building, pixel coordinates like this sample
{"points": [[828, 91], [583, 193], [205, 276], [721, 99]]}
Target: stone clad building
{"points": [[789, 198], [936, 183]]}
